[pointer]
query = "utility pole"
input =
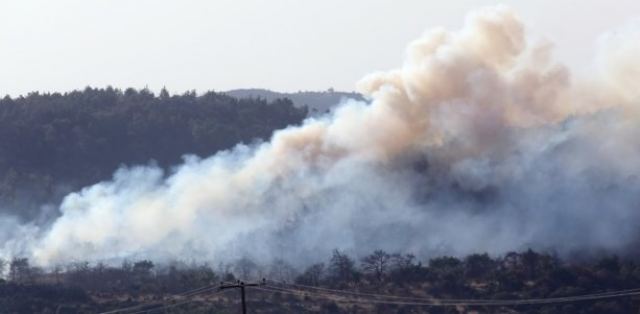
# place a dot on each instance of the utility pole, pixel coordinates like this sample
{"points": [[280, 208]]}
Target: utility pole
{"points": [[241, 285]]}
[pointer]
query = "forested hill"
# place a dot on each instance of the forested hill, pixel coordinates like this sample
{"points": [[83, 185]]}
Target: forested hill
{"points": [[317, 102], [53, 143]]}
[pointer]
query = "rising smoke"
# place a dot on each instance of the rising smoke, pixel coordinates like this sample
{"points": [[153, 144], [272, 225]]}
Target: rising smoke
{"points": [[479, 142]]}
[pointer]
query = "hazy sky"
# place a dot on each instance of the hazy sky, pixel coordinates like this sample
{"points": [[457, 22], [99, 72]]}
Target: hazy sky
{"points": [[287, 45]]}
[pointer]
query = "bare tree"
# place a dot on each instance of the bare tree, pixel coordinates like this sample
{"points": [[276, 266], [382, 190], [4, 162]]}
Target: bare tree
{"points": [[281, 271], [245, 268], [376, 264], [312, 275], [342, 267], [3, 266], [19, 269]]}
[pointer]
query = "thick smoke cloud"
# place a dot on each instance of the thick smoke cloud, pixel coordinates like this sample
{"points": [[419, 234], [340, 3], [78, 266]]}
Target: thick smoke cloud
{"points": [[479, 142]]}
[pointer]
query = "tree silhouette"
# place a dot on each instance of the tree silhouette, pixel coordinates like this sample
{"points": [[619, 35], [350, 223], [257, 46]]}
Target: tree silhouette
{"points": [[377, 264]]}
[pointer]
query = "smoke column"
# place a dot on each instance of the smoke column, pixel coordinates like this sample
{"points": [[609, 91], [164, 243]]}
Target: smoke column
{"points": [[480, 142]]}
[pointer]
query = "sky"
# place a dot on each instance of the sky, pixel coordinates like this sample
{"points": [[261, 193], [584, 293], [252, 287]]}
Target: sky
{"points": [[284, 45]]}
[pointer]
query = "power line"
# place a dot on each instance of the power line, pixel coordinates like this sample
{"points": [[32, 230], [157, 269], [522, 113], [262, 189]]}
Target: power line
{"points": [[187, 293], [346, 296], [171, 305], [241, 285], [356, 293], [436, 303], [442, 302]]}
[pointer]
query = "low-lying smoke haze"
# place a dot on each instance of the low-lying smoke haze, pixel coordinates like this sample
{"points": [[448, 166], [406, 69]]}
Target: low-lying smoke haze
{"points": [[478, 142]]}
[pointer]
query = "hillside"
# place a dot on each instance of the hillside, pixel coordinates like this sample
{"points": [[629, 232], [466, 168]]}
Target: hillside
{"points": [[317, 102], [525, 282], [51, 144]]}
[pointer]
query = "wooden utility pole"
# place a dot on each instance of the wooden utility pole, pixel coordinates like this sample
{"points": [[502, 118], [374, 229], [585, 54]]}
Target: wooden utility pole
{"points": [[241, 285]]}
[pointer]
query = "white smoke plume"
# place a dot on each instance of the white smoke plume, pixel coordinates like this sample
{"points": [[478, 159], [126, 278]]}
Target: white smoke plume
{"points": [[478, 143]]}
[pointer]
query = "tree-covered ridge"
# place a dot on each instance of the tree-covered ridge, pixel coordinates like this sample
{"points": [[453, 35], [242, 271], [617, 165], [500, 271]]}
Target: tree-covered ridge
{"points": [[78, 138], [317, 102], [380, 282]]}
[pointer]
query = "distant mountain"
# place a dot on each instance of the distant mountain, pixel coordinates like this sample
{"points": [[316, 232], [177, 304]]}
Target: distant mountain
{"points": [[317, 102]]}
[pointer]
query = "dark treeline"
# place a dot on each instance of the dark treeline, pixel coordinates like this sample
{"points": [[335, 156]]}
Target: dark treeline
{"points": [[84, 287], [53, 143]]}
